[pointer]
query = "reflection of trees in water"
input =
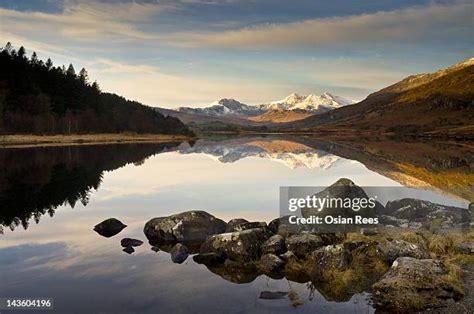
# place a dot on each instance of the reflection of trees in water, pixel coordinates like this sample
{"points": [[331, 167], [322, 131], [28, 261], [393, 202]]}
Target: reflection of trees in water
{"points": [[35, 181]]}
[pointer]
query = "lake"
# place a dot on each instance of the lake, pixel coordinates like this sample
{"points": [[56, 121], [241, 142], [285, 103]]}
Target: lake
{"points": [[52, 197]]}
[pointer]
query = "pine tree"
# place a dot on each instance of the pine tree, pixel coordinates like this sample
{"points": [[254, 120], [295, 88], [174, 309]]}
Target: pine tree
{"points": [[8, 47], [49, 63], [83, 76], [95, 86], [34, 58], [70, 70], [21, 52]]}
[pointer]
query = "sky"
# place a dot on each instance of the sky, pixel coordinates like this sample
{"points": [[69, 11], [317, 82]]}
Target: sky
{"points": [[193, 52]]}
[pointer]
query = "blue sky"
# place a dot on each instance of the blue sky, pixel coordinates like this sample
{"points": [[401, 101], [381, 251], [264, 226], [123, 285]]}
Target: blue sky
{"points": [[192, 52]]}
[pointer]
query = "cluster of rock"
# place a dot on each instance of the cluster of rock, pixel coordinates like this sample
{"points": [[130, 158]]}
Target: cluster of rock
{"points": [[240, 250], [111, 227]]}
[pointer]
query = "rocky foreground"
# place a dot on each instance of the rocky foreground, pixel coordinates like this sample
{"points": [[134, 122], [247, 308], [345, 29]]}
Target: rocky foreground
{"points": [[413, 261], [404, 271]]}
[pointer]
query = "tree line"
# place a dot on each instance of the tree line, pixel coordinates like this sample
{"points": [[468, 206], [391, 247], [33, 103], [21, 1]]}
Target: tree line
{"points": [[37, 97]]}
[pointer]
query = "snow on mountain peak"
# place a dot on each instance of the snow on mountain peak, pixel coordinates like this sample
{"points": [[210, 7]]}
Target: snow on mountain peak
{"points": [[294, 101], [324, 102]]}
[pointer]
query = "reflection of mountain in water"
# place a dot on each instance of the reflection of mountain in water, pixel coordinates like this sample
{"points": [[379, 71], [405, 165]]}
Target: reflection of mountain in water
{"points": [[293, 155], [35, 181], [441, 166]]}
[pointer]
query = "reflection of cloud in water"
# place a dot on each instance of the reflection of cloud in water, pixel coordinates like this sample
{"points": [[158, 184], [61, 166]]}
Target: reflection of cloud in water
{"points": [[142, 283]]}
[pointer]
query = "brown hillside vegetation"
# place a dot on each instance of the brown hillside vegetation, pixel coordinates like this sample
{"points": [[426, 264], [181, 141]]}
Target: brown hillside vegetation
{"points": [[281, 116], [440, 103]]}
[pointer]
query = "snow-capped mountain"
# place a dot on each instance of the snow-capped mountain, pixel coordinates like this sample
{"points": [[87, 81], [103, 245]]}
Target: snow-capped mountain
{"points": [[310, 103], [313, 103], [224, 107]]}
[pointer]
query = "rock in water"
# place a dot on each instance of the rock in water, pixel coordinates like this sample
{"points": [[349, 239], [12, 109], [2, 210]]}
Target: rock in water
{"points": [[126, 242], [303, 244], [192, 226], [391, 250], [179, 253], [343, 189], [271, 263], [412, 285], [110, 227], [238, 246], [274, 245], [129, 250]]}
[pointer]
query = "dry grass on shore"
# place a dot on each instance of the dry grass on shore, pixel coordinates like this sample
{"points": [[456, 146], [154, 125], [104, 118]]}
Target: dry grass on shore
{"points": [[24, 140]]}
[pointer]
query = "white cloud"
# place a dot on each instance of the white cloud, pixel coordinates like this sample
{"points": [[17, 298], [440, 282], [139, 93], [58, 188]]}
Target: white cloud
{"points": [[417, 23], [87, 21]]}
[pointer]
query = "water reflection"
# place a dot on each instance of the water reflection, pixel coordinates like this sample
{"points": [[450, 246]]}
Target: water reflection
{"points": [[35, 181], [63, 257]]}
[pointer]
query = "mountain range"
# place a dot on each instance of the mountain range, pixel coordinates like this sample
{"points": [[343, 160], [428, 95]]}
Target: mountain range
{"points": [[291, 108]]}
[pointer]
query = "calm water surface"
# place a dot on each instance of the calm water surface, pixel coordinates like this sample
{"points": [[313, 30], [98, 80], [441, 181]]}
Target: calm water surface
{"points": [[59, 194]]}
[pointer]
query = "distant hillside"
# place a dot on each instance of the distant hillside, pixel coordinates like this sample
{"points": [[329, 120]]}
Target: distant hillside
{"points": [[281, 116], [436, 104], [36, 97]]}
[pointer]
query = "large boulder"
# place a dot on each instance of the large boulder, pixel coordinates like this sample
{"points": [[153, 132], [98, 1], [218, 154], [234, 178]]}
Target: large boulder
{"points": [[191, 226], [238, 246], [412, 285], [275, 245], [109, 227], [343, 189], [331, 257], [303, 244], [391, 250]]}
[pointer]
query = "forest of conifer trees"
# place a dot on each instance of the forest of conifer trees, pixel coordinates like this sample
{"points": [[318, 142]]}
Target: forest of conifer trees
{"points": [[37, 97]]}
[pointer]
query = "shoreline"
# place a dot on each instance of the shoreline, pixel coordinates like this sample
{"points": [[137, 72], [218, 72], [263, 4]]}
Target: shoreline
{"points": [[30, 140]]}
